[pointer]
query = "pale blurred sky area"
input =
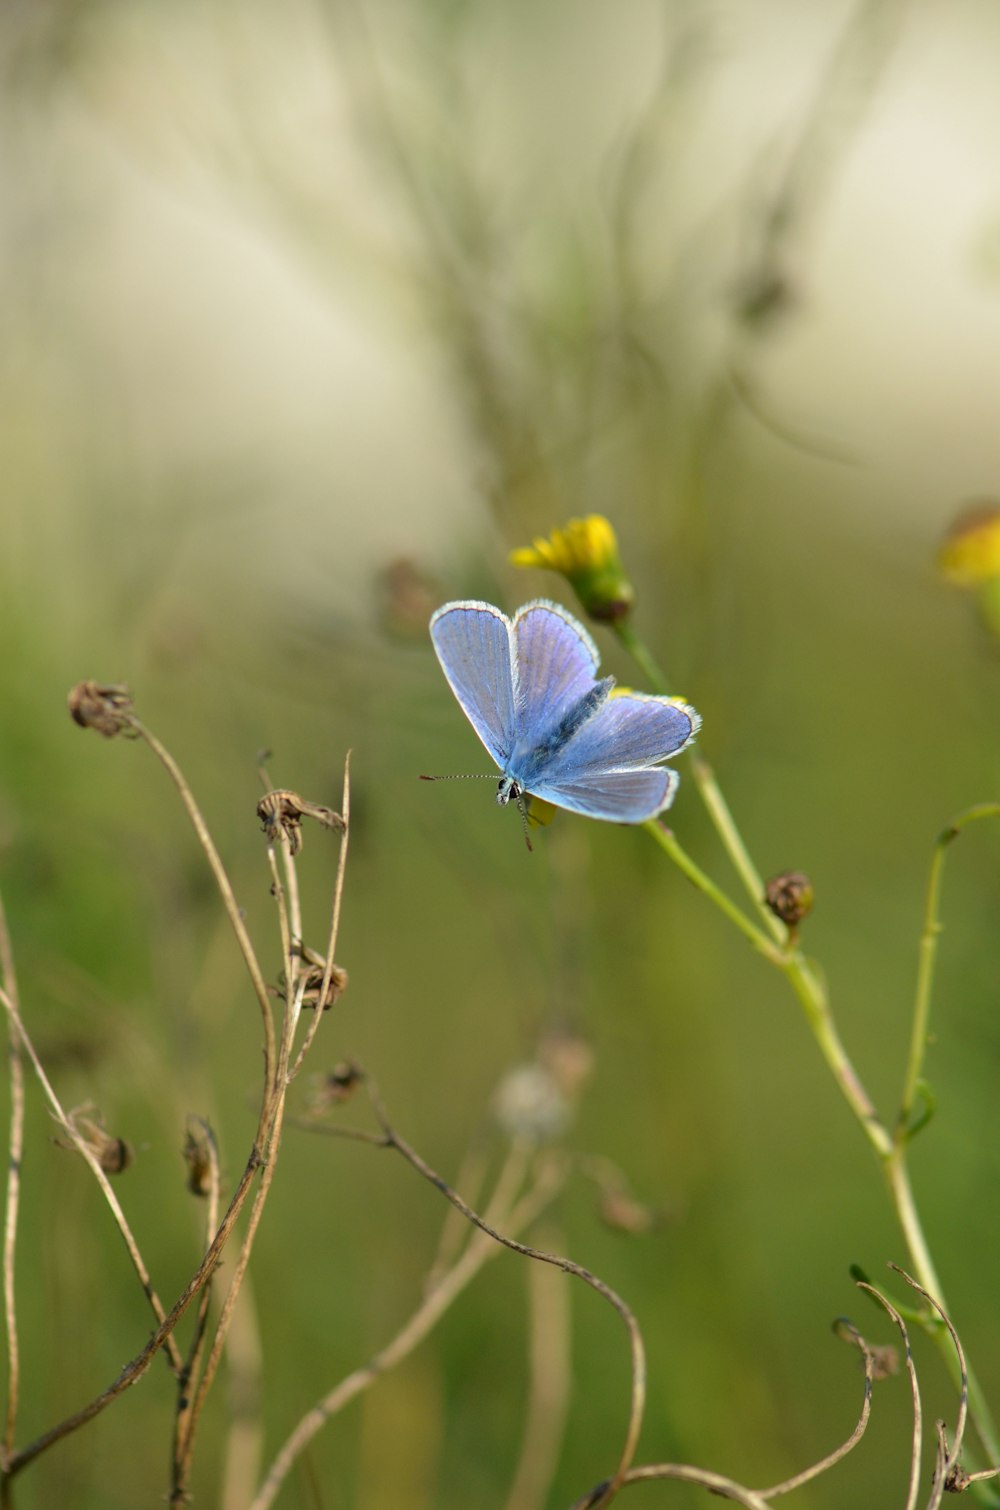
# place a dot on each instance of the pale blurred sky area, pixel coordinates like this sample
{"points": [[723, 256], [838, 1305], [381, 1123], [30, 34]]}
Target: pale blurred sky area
{"points": [[218, 218]]}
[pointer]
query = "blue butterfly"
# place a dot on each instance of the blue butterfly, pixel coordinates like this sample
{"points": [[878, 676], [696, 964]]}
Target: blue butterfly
{"points": [[529, 687]]}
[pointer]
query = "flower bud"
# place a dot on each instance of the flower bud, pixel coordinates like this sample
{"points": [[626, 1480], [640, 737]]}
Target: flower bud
{"points": [[790, 897]]}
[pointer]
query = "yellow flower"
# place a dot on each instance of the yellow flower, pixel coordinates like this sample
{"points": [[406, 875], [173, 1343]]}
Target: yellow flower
{"points": [[970, 553], [539, 812], [585, 552]]}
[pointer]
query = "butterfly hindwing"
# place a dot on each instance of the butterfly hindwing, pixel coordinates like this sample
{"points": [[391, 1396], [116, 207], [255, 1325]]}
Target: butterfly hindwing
{"points": [[616, 796]]}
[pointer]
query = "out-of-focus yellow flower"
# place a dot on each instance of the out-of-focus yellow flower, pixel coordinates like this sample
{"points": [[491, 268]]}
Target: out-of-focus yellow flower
{"points": [[585, 552], [970, 552], [539, 812]]}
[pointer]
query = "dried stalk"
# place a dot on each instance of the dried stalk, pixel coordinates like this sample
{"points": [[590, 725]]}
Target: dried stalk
{"points": [[479, 1250], [13, 1196]]}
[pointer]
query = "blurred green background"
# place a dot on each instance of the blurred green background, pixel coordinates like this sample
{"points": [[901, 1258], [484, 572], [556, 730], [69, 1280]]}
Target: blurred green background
{"points": [[310, 314]]}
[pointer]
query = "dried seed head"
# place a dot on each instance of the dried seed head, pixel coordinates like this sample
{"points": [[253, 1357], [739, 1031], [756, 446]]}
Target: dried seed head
{"points": [[336, 986], [113, 1154], [334, 1088], [281, 812], [104, 707], [197, 1153], [790, 897]]}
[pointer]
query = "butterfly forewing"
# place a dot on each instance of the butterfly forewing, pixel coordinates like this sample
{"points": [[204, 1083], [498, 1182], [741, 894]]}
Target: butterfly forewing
{"points": [[556, 662], [473, 644]]}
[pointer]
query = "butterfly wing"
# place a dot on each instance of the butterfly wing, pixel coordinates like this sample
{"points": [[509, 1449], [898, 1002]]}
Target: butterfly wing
{"points": [[555, 664], [610, 767], [473, 643]]}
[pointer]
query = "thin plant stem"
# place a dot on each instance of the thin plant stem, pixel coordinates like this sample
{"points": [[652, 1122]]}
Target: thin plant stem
{"points": [[927, 959], [225, 887], [338, 897], [82, 1147], [715, 1483], [245, 1430], [134, 1370], [275, 1099], [667, 840], [636, 1346], [436, 1301], [229, 1304], [13, 1196], [290, 924], [548, 1395], [918, 1414], [949, 1458], [183, 1416], [890, 1151], [825, 1464], [709, 791]]}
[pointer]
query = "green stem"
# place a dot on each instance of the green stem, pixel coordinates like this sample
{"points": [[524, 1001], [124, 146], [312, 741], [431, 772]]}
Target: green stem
{"points": [[639, 652], [890, 1151], [667, 840], [709, 791], [927, 959], [802, 977]]}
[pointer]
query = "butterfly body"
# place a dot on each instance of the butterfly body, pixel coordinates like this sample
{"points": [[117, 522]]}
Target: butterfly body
{"points": [[528, 686]]}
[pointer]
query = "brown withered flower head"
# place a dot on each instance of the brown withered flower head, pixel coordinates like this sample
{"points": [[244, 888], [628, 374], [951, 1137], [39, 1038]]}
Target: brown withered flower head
{"points": [[113, 1154], [282, 812], [199, 1156], [104, 707]]}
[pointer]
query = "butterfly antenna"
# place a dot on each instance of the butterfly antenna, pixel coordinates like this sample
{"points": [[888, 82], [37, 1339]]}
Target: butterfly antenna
{"points": [[462, 776], [524, 823]]}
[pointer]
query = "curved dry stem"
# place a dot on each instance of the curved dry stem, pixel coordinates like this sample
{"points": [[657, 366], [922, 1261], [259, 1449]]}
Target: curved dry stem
{"points": [[222, 881], [12, 1200], [134, 1370], [843, 1329], [567, 1265], [715, 1483], [480, 1250], [83, 1148], [947, 1462], [918, 1412]]}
